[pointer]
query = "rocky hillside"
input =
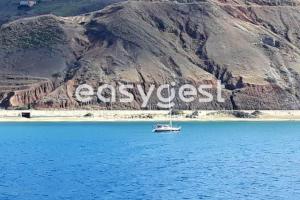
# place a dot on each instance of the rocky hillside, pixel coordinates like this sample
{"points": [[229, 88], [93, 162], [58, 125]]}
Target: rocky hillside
{"points": [[10, 10], [252, 47]]}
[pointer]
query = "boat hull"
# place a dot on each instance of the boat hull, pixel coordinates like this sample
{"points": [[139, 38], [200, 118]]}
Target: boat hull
{"points": [[158, 130]]}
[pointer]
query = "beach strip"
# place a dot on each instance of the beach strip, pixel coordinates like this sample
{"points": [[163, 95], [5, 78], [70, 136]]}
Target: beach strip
{"points": [[144, 115]]}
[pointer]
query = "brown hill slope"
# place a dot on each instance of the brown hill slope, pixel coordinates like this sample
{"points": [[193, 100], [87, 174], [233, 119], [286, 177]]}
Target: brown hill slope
{"points": [[10, 10], [253, 49]]}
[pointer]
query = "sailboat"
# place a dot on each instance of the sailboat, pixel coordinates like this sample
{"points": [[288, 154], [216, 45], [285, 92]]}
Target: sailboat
{"points": [[167, 127]]}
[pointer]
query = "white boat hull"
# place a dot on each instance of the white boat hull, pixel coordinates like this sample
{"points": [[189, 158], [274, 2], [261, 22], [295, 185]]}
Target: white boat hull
{"points": [[167, 129]]}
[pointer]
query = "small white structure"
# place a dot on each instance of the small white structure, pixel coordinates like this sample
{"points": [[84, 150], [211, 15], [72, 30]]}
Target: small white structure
{"points": [[28, 3]]}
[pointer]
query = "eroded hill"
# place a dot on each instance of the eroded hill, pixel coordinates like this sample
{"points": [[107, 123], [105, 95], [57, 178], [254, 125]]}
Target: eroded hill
{"points": [[10, 9], [252, 48]]}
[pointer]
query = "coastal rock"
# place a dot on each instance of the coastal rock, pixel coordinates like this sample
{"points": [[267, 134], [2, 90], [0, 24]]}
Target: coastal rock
{"points": [[27, 95]]}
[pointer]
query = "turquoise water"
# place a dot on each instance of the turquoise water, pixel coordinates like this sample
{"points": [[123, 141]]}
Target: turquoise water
{"points": [[83, 161]]}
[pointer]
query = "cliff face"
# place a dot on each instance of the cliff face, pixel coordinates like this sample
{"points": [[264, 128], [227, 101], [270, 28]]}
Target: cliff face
{"points": [[21, 91], [253, 49], [30, 95]]}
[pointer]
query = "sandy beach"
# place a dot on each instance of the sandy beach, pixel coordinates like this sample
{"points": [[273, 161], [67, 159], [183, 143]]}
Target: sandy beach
{"points": [[141, 115]]}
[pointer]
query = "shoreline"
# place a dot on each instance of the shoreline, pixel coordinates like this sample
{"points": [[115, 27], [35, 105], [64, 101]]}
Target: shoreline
{"points": [[144, 116]]}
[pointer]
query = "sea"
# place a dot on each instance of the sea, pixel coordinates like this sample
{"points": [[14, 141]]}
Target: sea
{"points": [[126, 160]]}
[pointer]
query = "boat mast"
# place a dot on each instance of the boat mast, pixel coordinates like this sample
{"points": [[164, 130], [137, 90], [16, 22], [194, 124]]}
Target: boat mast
{"points": [[170, 109]]}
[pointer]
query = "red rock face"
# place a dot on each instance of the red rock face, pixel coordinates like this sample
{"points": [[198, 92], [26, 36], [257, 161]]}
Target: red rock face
{"points": [[28, 96], [240, 12]]}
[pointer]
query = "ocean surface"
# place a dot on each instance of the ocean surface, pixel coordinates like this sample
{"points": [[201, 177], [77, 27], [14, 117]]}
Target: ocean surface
{"points": [[85, 161]]}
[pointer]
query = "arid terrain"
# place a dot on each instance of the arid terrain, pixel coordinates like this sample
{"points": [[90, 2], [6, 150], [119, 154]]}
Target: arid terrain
{"points": [[10, 9], [147, 115], [251, 46]]}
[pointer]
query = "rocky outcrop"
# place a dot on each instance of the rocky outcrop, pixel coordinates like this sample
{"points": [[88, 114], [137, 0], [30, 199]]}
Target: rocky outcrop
{"points": [[60, 98], [28, 96]]}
